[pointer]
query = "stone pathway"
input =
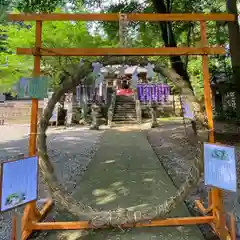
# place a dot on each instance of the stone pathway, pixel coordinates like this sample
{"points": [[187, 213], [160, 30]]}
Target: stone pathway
{"points": [[70, 151], [125, 173]]}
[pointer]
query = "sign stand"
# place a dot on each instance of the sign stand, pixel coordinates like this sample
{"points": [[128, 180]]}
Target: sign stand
{"points": [[182, 111], [17, 226], [214, 214]]}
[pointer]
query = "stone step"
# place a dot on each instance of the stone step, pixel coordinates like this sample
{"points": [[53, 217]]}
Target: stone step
{"points": [[125, 109], [125, 97], [124, 116], [133, 113], [125, 104], [124, 100], [124, 119], [124, 122]]}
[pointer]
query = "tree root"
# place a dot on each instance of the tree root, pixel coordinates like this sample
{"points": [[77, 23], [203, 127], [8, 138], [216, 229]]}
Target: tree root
{"points": [[115, 217]]}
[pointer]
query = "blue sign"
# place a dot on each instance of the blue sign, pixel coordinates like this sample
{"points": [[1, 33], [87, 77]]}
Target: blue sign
{"points": [[19, 183], [220, 166]]}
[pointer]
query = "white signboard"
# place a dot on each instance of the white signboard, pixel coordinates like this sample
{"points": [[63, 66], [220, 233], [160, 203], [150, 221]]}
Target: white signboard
{"points": [[187, 111], [220, 166], [19, 183]]}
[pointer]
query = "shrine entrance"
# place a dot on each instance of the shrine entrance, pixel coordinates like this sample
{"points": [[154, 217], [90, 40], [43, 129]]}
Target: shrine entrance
{"points": [[214, 214], [125, 84], [125, 88]]}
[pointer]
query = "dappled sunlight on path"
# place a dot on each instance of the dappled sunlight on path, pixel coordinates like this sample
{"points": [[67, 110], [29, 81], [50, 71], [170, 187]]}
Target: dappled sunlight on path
{"points": [[126, 173]]}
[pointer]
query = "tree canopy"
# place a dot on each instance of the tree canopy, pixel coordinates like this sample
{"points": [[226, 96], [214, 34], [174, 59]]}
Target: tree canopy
{"points": [[145, 34]]}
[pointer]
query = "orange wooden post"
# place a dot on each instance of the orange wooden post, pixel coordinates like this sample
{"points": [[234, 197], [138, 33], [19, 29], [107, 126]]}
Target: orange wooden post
{"points": [[30, 211], [36, 72], [216, 194]]}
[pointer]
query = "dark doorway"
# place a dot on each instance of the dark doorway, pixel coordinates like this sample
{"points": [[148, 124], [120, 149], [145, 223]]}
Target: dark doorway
{"points": [[125, 84]]}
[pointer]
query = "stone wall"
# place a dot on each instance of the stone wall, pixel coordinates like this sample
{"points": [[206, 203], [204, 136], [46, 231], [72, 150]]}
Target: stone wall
{"points": [[171, 107], [17, 111]]}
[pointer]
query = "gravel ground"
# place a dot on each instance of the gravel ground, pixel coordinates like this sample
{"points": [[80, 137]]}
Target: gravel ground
{"points": [[177, 152], [70, 149]]}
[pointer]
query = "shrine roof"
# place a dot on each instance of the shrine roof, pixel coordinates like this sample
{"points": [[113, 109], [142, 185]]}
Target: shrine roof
{"points": [[128, 71]]}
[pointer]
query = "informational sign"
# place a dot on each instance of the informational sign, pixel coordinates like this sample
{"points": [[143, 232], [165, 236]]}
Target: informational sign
{"points": [[187, 110], [220, 166], [33, 87], [19, 183], [38, 87]]}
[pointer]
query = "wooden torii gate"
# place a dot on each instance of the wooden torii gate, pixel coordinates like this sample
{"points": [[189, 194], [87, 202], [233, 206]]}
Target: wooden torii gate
{"points": [[214, 214]]}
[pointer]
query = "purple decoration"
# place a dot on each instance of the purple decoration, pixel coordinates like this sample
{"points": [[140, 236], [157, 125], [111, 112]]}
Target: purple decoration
{"points": [[153, 92]]}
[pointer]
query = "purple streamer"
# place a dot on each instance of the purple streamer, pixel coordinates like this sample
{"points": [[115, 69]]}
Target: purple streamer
{"points": [[153, 92]]}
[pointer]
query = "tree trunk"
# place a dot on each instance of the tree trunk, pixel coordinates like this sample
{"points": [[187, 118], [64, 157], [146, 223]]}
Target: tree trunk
{"points": [[234, 40], [169, 41]]}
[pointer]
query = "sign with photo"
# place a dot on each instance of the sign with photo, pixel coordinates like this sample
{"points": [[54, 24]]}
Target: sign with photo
{"points": [[220, 166], [19, 183]]}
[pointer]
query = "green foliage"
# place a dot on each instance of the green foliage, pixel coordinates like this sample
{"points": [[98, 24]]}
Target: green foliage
{"points": [[15, 66], [55, 35], [145, 34], [38, 6], [142, 34]]}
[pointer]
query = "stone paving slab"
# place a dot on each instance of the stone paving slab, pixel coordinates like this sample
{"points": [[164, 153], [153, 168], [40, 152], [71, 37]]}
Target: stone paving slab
{"points": [[126, 173]]}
